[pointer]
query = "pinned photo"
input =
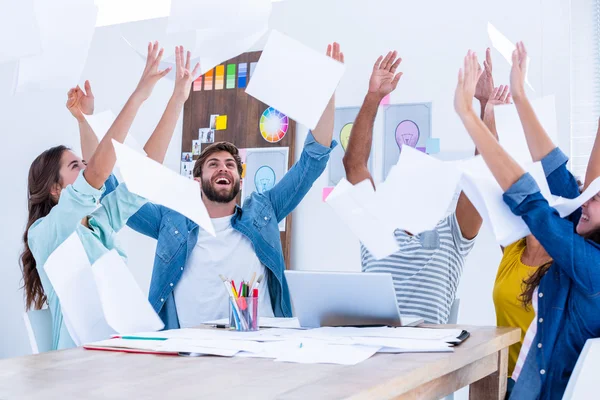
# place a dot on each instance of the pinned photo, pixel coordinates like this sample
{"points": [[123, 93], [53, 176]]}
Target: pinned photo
{"points": [[213, 121], [187, 157], [195, 147], [206, 135], [187, 169]]}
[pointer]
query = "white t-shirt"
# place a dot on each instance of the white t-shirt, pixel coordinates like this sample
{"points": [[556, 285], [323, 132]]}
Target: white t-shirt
{"points": [[200, 295]]}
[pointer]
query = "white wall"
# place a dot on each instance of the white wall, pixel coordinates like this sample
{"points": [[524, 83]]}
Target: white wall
{"points": [[431, 36]]}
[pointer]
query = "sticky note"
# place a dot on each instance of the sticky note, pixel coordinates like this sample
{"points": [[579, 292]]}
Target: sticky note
{"points": [[433, 146], [243, 170], [327, 191], [385, 101], [198, 84], [221, 123]]}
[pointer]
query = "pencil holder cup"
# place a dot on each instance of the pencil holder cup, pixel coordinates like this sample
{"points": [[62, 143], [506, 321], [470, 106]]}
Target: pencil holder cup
{"points": [[243, 314]]}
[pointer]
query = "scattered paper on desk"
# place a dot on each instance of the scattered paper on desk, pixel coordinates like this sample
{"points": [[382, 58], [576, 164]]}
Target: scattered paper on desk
{"points": [[66, 30], [221, 122], [157, 183], [19, 32], [264, 322], [126, 308], [316, 352], [71, 276], [432, 146], [101, 123], [510, 129], [505, 47], [378, 238], [485, 193], [315, 78], [566, 207], [385, 332]]}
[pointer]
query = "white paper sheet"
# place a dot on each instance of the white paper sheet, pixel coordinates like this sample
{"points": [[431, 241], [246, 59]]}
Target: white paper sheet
{"points": [[66, 30], [305, 97], [417, 192], [316, 352], [70, 273], [214, 46], [385, 332], [485, 193], [191, 15], [505, 47], [510, 129], [566, 207], [264, 322], [125, 306], [101, 123], [157, 183], [374, 235], [113, 12], [19, 32]]}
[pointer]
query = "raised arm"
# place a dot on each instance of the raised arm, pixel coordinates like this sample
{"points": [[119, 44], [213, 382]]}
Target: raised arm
{"points": [[78, 104], [158, 143], [506, 170], [384, 80], [101, 164], [593, 168], [538, 141]]}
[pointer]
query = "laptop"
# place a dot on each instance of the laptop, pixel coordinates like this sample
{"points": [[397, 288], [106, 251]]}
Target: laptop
{"points": [[345, 299]]}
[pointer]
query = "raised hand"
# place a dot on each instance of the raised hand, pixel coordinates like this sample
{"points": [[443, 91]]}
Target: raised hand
{"points": [[518, 71], [80, 102], [500, 96], [183, 76], [468, 76], [151, 73], [333, 51], [485, 85], [384, 79]]}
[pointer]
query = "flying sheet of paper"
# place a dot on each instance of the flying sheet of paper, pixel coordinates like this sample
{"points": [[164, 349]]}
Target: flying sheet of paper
{"points": [[316, 352], [315, 78], [19, 32], [566, 207], [113, 12], [214, 46], [192, 15], [485, 193], [157, 183], [431, 184], [378, 238], [66, 30], [101, 123], [505, 47], [70, 273], [510, 129], [125, 307]]}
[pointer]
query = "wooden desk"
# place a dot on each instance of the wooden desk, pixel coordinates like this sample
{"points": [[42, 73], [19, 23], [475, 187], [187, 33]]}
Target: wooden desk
{"points": [[83, 374]]}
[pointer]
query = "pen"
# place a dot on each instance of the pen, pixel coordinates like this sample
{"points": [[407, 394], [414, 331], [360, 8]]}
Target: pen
{"points": [[254, 309], [138, 338]]}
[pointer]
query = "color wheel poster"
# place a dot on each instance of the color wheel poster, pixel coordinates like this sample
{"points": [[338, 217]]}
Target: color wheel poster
{"points": [[273, 125], [264, 168], [405, 125], [344, 121]]}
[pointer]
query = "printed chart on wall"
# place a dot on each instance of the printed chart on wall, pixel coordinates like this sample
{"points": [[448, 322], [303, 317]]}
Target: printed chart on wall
{"points": [[263, 169], [344, 120], [405, 125]]}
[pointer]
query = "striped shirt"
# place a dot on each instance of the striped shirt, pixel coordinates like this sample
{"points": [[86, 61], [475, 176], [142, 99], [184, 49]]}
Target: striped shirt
{"points": [[426, 270]]}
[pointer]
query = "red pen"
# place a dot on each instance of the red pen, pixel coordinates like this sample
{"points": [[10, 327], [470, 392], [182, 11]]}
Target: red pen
{"points": [[233, 287], [254, 309]]}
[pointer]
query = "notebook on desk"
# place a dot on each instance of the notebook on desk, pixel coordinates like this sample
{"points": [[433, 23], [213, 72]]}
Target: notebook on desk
{"points": [[345, 299]]}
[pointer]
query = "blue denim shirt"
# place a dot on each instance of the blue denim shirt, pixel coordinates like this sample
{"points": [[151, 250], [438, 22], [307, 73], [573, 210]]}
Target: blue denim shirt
{"points": [[569, 292], [257, 220]]}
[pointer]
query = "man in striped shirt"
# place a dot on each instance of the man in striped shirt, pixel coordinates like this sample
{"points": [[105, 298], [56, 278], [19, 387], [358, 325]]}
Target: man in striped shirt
{"points": [[427, 268]]}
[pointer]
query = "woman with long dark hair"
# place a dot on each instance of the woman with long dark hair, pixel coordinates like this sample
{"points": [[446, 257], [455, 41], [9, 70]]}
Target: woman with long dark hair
{"points": [[64, 190], [564, 292]]}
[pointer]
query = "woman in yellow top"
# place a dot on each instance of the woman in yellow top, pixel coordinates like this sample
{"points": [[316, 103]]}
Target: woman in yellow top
{"points": [[519, 262]]}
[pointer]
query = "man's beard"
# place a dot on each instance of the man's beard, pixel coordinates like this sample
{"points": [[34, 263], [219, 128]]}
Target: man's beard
{"points": [[218, 197]]}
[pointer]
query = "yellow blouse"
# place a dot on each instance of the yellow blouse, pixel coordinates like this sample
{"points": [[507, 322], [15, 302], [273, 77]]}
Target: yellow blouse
{"points": [[507, 301]]}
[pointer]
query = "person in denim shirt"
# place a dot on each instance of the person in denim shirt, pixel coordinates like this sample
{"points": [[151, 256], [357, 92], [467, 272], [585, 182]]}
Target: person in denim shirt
{"points": [[64, 190], [185, 287], [568, 290]]}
